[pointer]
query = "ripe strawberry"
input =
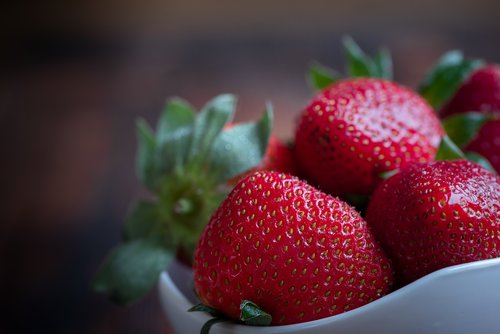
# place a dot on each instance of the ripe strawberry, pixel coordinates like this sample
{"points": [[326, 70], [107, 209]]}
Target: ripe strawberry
{"points": [[279, 157], [487, 143], [437, 214], [480, 93], [298, 253], [356, 129]]}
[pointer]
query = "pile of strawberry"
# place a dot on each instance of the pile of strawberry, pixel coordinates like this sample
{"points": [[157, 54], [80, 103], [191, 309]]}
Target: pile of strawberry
{"points": [[377, 190]]}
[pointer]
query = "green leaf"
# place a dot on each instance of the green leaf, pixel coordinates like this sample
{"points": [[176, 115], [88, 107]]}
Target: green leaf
{"points": [[321, 76], [132, 270], [208, 325], [252, 315], [388, 174], [241, 147], [174, 132], [207, 309], [462, 128], [209, 124], [448, 150], [480, 160], [358, 63], [143, 222], [383, 64], [145, 159], [446, 76]]}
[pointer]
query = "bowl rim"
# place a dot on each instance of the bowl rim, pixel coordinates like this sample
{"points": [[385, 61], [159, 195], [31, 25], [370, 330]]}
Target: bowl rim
{"points": [[415, 285]]}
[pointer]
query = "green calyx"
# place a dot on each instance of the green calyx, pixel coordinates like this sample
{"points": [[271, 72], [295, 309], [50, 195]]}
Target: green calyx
{"points": [[448, 150], [461, 129], [446, 76], [185, 164], [250, 314], [358, 64]]}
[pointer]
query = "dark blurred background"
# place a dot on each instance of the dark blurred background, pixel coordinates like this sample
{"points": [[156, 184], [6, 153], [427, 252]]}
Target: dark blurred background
{"points": [[75, 75]]}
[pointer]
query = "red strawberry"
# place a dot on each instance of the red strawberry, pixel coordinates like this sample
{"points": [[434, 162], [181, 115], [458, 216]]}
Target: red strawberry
{"points": [[356, 129], [279, 157], [481, 93], [438, 214], [298, 253], [487, 143]]}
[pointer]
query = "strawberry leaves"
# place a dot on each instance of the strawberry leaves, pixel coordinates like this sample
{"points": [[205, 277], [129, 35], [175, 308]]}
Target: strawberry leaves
{"points": [[463, 127], [448, 150], [143, 221], [131, 270], [208, 125], [174, 133], [446, 76], [146, 169], [227, 160], [251, 315], [358, 64], [185, 165], [321, 76]]}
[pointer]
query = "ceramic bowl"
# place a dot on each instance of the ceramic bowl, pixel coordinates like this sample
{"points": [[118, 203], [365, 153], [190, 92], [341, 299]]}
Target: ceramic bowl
{"points": [[459, 299]]}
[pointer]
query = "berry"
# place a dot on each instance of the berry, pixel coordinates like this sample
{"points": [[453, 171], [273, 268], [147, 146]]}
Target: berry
{"points": [[296, 252], [356, 129], [487, 143], [480, 93], [430, 216]]}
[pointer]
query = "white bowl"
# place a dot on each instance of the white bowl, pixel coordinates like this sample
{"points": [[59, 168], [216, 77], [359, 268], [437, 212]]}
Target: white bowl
{"points": [[459, 299]]}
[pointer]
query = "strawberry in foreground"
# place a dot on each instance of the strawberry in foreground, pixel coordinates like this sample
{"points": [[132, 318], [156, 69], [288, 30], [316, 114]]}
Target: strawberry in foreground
{"points": [[356, 129], [297, 253], [433, 215], [467, 94]]}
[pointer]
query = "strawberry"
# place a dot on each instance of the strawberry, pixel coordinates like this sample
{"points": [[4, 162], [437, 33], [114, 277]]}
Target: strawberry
{"points": [[438, 214], [356, 129], [487, 143], [293, 250], [479, 92], [458, 87], [279, 157]]}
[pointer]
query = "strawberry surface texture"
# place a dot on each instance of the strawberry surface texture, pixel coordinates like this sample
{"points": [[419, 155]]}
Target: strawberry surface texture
{"points": [[296, 252], [357, 129], [430, 216]]}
